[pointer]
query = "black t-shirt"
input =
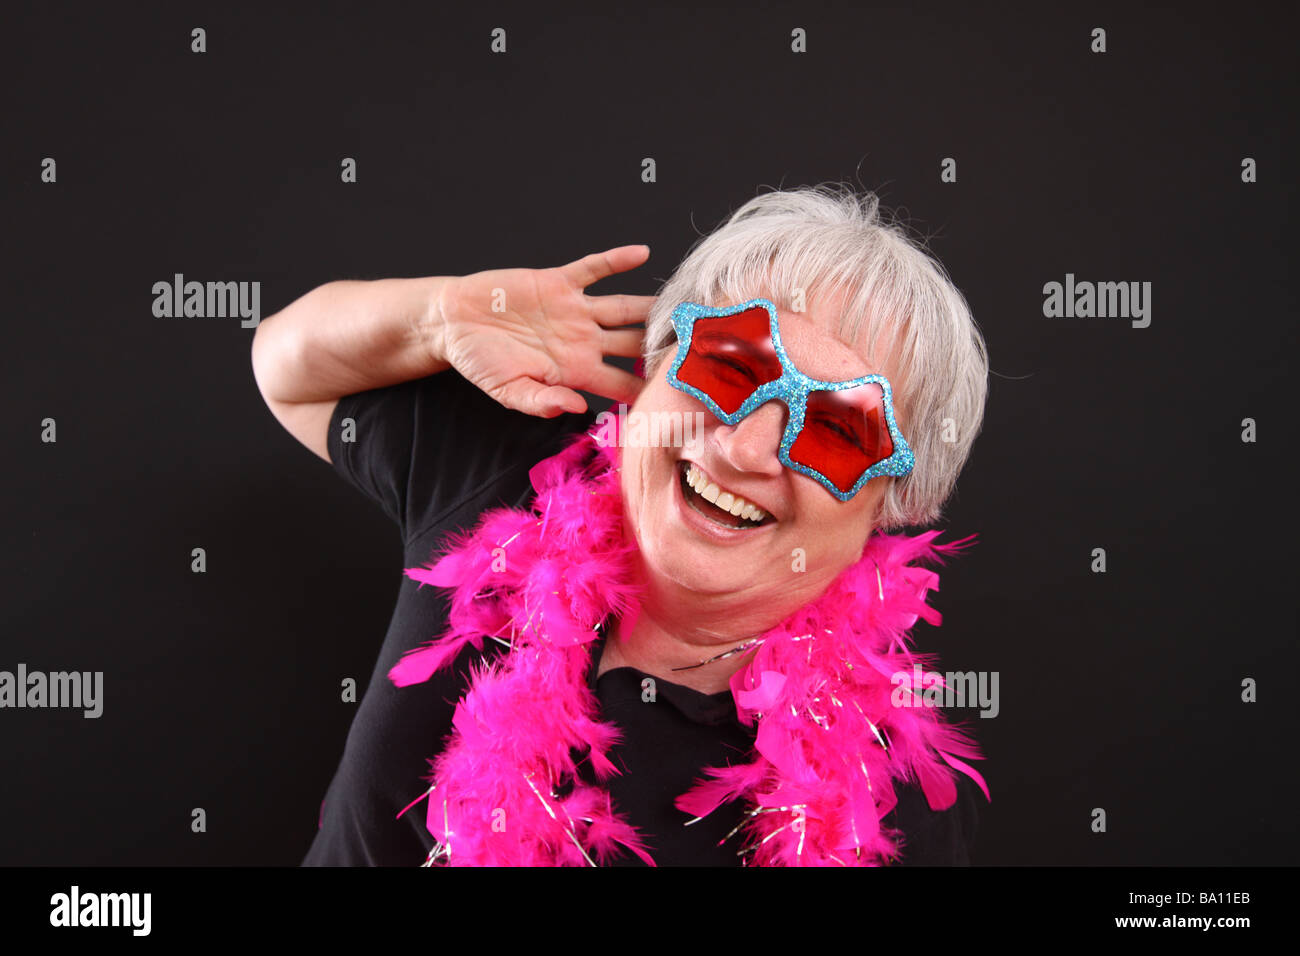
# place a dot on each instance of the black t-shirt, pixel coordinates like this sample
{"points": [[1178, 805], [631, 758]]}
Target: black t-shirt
{"points": [[434, 454]]}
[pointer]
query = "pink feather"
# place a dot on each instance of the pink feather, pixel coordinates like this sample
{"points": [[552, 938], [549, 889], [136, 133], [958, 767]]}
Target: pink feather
{"points": [[830, 746]]}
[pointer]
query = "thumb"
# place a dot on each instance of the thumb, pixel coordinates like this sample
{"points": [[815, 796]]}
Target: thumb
{"points": [[544, 401]]}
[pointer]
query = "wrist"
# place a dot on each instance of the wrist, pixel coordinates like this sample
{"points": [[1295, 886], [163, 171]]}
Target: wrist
{"points": [[431, 328]]}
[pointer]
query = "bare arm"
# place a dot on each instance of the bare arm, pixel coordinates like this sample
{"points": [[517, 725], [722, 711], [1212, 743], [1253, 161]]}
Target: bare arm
{"points": [[529, 338], [341, 338]]}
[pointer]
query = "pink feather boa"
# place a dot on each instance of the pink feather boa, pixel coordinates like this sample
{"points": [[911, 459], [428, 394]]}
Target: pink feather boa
{"points": [[830, 744]]}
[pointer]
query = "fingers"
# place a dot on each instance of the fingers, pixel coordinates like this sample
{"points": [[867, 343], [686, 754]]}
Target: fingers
{"points": [[614, 310], [624, 342], [614, 383], [544, 401], [596, 266], [560, 399]]}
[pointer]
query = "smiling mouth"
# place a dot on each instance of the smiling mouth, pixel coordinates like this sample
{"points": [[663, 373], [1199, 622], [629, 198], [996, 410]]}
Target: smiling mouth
{"points": [[747, 519]]}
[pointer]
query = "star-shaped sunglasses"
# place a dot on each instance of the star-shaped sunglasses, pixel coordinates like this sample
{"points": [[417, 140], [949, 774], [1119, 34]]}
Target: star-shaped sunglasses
{"points": [[842, 434]]}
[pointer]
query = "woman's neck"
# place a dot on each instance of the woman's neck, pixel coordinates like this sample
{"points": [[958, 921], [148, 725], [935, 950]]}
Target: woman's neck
{"points": [[655, 649]]}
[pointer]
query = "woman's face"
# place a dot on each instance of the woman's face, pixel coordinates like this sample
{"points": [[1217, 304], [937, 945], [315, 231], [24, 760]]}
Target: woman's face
{"points": [[811, 536]]}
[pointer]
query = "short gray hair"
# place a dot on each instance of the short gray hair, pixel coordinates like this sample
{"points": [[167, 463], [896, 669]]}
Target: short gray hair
{"points": [[834, 245]]}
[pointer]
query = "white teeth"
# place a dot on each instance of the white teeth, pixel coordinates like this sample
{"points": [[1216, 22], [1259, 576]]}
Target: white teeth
{"points": [[725, 500]]}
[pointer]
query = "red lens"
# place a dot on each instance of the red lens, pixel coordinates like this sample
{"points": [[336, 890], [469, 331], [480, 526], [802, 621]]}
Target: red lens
{"points": [[731, 356], [844, 433]]}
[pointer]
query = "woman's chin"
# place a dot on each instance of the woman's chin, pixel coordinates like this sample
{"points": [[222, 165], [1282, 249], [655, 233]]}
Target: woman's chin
{"points": [[699, 566]]}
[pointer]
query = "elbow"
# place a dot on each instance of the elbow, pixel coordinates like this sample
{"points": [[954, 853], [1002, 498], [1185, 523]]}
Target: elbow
{"points": [[268, 359]]}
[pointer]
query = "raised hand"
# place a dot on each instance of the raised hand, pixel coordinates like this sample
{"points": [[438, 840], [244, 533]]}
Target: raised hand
{"points": [[531, 337]]}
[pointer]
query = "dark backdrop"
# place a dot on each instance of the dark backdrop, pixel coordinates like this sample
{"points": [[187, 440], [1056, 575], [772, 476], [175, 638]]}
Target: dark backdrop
{"points": [[1119, 690]]}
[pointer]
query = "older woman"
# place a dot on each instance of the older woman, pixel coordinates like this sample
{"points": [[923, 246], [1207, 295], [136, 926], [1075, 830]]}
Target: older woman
{"points": [[639, 650]]}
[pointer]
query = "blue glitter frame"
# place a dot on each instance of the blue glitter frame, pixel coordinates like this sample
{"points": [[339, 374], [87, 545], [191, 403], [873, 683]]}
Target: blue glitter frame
{"points": [[792, 390]]}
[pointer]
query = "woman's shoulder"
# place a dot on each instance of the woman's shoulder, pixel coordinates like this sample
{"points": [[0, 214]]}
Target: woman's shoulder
{"points": [[469, 453]]}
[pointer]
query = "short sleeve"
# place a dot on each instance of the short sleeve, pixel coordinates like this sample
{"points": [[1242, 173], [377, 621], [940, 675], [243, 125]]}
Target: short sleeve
{"points": [[421, 449]]}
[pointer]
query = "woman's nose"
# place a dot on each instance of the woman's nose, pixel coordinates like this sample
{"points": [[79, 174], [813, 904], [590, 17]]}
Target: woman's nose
{"points": [[752, 443]]}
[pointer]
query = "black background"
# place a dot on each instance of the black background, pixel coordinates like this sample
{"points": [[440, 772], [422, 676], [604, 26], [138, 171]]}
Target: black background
{"points": [[221, 690]]}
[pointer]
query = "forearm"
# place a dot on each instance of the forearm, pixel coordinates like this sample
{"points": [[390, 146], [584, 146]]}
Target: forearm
{"points": [[349, 336]]}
